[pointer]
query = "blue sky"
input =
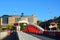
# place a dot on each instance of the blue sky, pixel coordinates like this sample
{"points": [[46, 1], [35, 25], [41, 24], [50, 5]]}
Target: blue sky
{"points": [[43, 9]]}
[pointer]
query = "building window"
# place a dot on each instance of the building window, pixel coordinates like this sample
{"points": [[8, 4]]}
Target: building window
{"points": [[30, 20], [5, 19], [17, 19]]}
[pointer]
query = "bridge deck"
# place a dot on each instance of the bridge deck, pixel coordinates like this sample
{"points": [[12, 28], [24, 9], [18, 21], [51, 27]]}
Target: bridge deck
{"points": [[25, 36]]}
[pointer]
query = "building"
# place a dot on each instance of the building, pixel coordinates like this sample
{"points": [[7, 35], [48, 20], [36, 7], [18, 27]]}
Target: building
{"points": [[54, 22], [11, 19]]}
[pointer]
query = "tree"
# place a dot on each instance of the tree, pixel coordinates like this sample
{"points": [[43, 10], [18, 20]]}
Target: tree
{"points": [[8, 27], [22, 27], [22, 14], [58, 25], [0, 29]]}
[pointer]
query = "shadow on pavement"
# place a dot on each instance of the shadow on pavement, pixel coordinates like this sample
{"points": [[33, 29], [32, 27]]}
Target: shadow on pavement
{"points": [[44, 37], [13, 36]]}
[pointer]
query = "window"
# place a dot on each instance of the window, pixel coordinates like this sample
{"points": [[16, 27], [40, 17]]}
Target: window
{"points": [[5, 20], [17, 19]]}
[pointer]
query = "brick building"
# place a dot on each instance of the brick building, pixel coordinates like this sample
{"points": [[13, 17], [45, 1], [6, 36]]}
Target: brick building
{"points": [[54, 22], [11, 19]]}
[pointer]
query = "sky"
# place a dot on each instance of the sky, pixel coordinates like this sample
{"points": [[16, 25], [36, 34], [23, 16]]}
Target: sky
{"points": [[43, 9]]}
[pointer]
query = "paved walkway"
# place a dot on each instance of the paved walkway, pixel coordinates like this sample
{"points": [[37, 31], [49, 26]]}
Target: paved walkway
{"points": [[3, 34], [25, 36], [28, 36], [13, 36]]}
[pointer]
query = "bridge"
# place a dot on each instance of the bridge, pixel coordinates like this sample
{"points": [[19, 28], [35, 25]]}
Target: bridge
{"points": [[19, 35]]}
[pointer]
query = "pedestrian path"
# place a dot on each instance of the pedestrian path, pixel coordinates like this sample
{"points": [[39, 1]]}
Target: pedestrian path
{"points": [[13, 36], [3, 35], [25, 36]]}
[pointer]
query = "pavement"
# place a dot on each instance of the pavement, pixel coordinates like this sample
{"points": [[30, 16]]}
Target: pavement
{"points": [[3, 35], [28, 36], [25, 36], [13, 36]]}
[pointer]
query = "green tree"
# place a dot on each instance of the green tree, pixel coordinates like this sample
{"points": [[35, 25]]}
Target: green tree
{"points": [[0, 29], [8, 27], [58, 25], [22, 27]]}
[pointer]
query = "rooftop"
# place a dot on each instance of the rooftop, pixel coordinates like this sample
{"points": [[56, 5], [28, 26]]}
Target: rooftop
{"points": [[17, 15]]}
